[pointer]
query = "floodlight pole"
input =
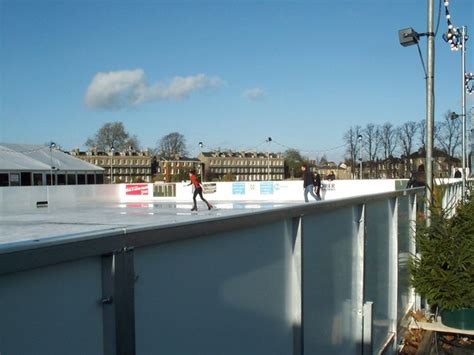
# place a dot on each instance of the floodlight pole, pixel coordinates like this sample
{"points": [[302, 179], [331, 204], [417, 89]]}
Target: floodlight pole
{"points": [[51, 146], [463, 107], [429, 112], [359, 138], [111, 164], [201, 164], [268, 140]]}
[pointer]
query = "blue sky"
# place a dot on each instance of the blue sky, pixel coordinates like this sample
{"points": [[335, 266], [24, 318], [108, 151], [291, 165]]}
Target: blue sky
{"points": [[227, 73]]}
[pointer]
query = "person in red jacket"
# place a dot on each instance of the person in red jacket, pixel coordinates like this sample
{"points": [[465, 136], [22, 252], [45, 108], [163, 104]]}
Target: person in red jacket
{"points": [[197, 190]]}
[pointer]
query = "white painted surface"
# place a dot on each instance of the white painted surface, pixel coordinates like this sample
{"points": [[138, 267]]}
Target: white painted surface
{"points": [[271, 191]]}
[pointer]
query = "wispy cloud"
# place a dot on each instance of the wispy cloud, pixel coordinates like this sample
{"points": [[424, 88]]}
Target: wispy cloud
{"points": [[254, 94], [129, 88]]}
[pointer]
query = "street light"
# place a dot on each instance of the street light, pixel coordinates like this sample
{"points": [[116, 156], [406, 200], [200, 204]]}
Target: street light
{"points": [[112, 149], [201, 145], [457, 40], [268, 140], [408, 38], [454, 116], [51, 146], [359, 138], [130, 154]]}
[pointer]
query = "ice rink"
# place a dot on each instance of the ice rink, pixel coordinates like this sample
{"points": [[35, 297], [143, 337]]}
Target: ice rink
{"points": [[42, 223]]}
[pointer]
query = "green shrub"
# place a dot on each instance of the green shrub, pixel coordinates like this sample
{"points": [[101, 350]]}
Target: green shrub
{"points": [[443, 272]]}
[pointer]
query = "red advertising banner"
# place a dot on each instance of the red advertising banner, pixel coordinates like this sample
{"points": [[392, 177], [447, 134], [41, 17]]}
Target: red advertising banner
{"points": [[136, 189]]}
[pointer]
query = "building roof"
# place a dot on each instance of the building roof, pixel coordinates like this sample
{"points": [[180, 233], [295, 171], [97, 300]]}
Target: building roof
{"points": [[179, 159], [35, 157], [229, 154], [437, 153]]}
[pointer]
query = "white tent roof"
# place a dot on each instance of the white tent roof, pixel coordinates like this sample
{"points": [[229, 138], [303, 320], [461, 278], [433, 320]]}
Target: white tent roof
{"points": [[39, 157]]}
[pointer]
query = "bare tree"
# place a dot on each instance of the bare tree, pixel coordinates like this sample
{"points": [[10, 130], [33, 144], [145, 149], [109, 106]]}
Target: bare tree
{"points": [[448, 134], [372, 141], [389, 144], [350, 138], [422, 136], [406, 134], [389, 139], [172, 145], [113, 134]]}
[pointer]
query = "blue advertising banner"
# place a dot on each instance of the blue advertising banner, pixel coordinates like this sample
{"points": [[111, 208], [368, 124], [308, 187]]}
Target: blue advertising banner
{"points": [[238, 188], [266, 188]]}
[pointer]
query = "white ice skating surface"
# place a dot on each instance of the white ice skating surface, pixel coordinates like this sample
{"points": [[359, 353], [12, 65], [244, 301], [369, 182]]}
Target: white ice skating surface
{"points": [[50, 222]]}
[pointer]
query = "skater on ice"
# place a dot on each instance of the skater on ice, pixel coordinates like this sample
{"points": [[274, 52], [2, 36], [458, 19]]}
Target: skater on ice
{"points": [[197, 190]]}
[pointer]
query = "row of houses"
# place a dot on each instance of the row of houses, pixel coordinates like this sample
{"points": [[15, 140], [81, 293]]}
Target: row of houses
{"points": [[252, 166], [23, 165], [141, 166]]}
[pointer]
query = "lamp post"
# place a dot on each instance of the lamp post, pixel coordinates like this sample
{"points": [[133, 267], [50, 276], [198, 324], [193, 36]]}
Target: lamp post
{"points": [[51, 146], [112, 149], [130, 154], [359, 138], [268, 140], [453, 116], [457, 40], [472, 139], [201, 145], [409, 37], [463, 101]]}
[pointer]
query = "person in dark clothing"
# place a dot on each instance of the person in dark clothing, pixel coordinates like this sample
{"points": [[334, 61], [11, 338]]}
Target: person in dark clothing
{"points": [[457, 174], [331, 176], [197, 190], [417, 178], [308, 183], [317, 185]]}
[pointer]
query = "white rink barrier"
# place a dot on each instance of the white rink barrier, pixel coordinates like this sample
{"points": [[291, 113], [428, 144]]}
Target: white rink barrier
{"points": [[259, 190], [28, 197]]}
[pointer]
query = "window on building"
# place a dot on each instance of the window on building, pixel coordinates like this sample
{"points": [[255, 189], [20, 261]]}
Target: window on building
{"points": [[81, 179], [37, 179], [71, 179], [14, 179], [4, 181], [25, 179], [60, 179], [48, 179], [90, 179]]}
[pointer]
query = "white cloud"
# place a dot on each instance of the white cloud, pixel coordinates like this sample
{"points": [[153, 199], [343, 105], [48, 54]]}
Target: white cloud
{"points": [[254, 93], [127, 88]]}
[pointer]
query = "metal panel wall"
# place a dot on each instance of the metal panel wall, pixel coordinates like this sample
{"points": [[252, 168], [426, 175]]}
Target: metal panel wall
{"points": [[229, 293], [377, 268], [332, 282], [318, 278], [406, 248], [52, 310]]}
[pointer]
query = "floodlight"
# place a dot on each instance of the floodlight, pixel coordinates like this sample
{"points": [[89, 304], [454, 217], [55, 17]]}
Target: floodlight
{"points": [[408, 37]]}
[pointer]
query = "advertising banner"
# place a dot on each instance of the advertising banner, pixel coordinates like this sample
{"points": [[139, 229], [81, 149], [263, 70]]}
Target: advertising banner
{"points": [[209, 187], [266, 188], [136, 189], [238, 188]]}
